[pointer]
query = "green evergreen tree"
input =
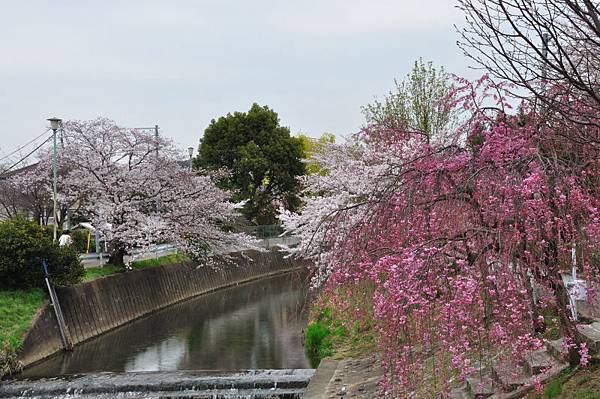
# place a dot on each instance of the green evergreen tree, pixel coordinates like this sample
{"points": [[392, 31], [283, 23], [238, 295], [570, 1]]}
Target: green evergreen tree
{"points": [[262, 159]]}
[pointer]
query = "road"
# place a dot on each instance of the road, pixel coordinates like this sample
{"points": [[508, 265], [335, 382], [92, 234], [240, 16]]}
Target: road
{"points": [[156, 251]]}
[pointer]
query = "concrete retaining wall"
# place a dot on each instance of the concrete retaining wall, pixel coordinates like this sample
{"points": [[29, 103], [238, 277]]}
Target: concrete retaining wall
{"points": [[95, 307]]}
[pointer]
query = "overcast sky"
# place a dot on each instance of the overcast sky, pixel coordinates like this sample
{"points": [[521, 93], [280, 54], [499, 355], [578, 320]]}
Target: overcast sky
{"points": [[179, 64]]}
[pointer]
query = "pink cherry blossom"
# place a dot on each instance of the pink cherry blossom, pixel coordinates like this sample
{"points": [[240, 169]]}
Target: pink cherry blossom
{"points": [[463, 236]]}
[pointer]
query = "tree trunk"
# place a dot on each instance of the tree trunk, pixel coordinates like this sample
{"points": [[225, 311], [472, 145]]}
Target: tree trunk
{"points": [[539, 327], [568, 325], [116, 257]]}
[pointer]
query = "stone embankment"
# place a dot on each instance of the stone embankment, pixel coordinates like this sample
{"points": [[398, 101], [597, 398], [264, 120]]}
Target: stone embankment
{"points": [[358, 378], [349, 378], [95, 307], [510, 381]]}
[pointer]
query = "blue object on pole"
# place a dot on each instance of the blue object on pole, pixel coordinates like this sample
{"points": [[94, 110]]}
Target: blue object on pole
{"points": [[45, 266]]}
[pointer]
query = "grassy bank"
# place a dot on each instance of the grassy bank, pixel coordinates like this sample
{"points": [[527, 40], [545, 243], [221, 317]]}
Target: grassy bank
{"points": [[333, 330], [17, 308], [573, 384], [108, 269]]}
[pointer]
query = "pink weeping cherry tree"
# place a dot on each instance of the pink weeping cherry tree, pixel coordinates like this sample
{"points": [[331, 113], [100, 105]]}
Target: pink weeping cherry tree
{"points": [[464, 239], [137, 190]]}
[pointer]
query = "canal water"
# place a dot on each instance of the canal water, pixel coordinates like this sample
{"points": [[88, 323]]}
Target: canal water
{"points": [[257, 325]]}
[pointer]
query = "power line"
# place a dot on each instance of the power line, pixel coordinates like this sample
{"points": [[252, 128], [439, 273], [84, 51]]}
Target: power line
{"points": [[24, 158], [23, 146]]}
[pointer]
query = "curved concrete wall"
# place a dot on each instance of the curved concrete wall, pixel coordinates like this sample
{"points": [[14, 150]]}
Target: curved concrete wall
{"points": [[97, 306]]}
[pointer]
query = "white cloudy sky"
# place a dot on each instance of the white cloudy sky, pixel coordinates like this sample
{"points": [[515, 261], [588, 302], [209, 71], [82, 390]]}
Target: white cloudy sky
{"points": [[181, 63]]}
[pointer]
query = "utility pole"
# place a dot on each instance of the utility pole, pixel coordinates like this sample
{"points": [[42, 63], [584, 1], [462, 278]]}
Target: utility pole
{"points": [[545, 40], [156, 137], [54, 124], [191, 152]]}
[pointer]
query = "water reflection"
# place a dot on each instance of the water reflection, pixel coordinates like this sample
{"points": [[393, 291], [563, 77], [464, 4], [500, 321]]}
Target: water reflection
{"points": [[253, 326]]}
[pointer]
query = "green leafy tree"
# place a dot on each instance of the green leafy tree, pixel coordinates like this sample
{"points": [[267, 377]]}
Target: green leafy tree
{"points": [[312, 147], [262, 159], [417, 103], [23, 247]]}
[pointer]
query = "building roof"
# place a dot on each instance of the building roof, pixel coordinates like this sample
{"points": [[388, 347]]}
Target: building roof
{"points": [[5, 175]]}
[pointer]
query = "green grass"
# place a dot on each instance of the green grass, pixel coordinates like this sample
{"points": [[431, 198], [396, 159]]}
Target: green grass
{"points": [[554, 388], [320, 336], [573, 384], [161, 261], [327, 336], [337, 332], [17, 308], [582, 384], [93, 273]]}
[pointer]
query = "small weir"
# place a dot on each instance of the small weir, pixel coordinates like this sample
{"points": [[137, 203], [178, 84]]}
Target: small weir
{"points": [[249, 384], [240, 342]]}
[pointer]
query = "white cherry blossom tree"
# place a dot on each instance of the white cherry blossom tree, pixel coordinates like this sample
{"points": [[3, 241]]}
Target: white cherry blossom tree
{"points": [[137, 190]]}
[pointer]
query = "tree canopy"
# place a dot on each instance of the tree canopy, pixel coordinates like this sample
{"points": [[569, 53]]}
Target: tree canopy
{"points": [[547, 49], [137, 196], [311, 147], [261, 158], [417, 103]]}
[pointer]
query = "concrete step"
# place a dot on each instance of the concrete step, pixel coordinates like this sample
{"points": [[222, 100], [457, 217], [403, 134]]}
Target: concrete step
{"points": [[522, 391], [480, 386], [460, 393], [538, 361], [590, 334], [554, 348], [509, 377]]}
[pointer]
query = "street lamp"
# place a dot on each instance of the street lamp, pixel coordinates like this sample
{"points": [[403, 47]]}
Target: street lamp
{"points": [[191, 152], [54, 125]]}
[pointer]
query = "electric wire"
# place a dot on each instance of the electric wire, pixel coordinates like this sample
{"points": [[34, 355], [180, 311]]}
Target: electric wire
{"points": [[4, 172], [23, 146]]}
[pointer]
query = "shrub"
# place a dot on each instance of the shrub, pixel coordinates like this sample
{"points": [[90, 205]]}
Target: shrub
{"points": [[8, 360], [23, 247]]}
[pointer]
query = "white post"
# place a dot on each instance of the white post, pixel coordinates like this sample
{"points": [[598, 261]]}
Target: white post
{"points": [[575, 286], [54, 125], [97, 238], [574, 259]]}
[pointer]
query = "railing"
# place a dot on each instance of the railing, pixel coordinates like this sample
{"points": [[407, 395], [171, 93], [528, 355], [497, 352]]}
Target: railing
{"points": [[154, 249], [268, 236], [263, 231]]}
